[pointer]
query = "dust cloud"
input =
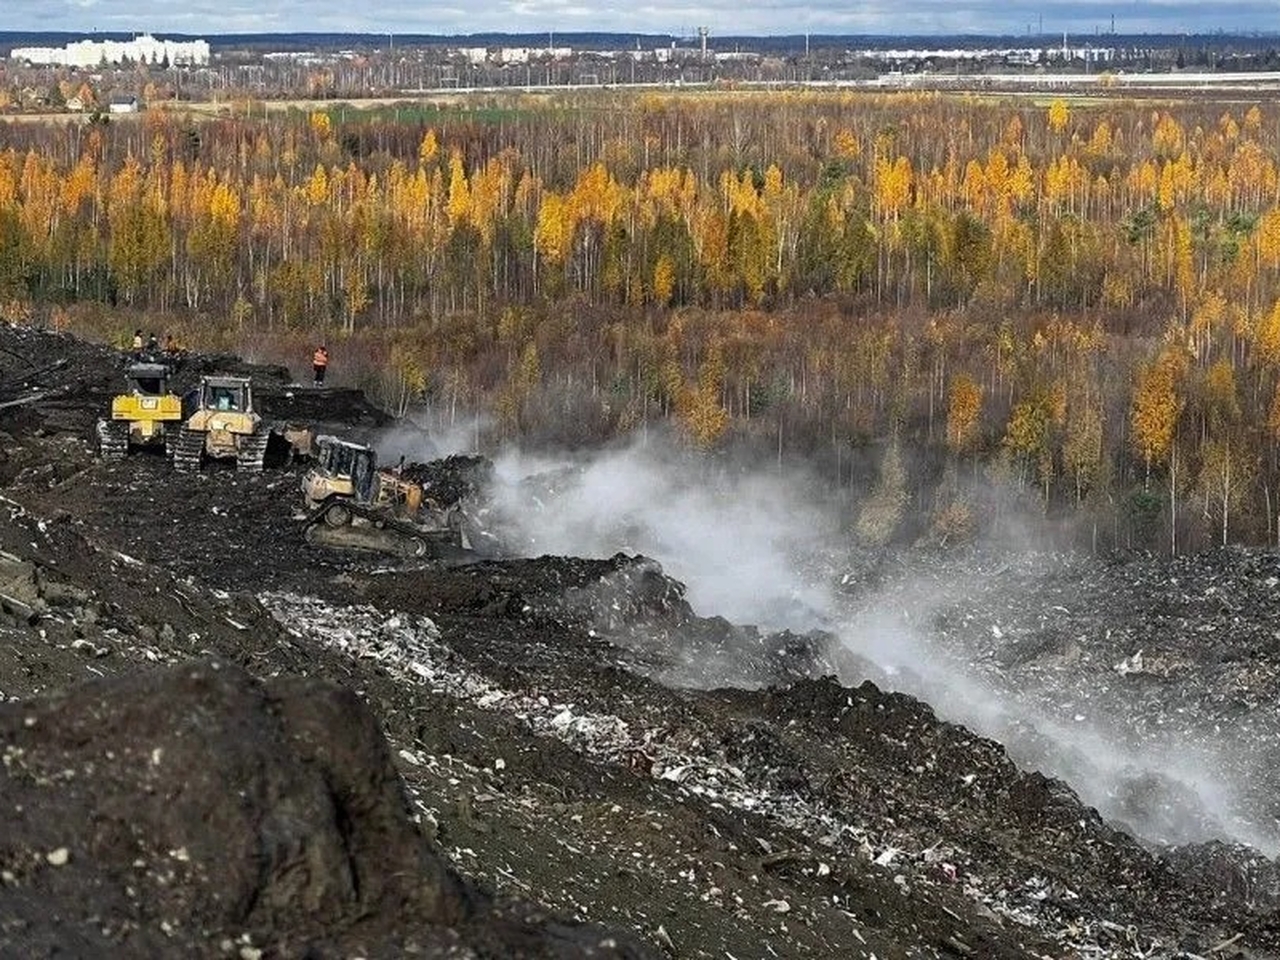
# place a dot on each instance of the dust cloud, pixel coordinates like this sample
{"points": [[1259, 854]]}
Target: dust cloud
{"points": [[767, 549], [413, 442], [737, 541], [1172, 792]]}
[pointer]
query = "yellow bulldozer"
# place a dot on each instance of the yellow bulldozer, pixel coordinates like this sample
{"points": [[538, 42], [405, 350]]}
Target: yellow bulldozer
{"points": [[352, 505], [146, 415], [221, 423]]}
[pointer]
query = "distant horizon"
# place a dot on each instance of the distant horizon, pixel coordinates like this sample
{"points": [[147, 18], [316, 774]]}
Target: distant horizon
{"points": [[567, 35], [877, 19]]}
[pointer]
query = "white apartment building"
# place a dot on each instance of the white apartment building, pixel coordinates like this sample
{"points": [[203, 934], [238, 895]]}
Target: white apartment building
{"points": [[92, 53]]}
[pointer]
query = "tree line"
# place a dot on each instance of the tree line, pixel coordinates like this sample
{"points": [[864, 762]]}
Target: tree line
{"points": [[921, 288]]}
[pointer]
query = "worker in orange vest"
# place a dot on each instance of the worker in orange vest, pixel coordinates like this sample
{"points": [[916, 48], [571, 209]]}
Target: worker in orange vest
{"points": [[319, 364]]}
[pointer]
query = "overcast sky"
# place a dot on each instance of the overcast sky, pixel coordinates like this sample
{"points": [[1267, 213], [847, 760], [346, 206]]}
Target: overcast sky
{"points": [[723, 17]]}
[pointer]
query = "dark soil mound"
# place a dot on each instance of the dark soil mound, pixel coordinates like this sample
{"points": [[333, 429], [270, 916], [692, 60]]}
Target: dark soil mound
{"points": [[173, 811]]}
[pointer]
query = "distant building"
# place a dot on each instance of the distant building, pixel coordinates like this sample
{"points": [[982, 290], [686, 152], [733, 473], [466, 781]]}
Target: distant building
{"points": [[75, 104], [143, 49], [525, 54], [123, 105]]}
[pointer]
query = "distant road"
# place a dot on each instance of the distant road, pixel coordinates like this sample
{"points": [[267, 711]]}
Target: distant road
{"points": [[1258, 81], [1024, 83], [434, 94], [1004, 82]]}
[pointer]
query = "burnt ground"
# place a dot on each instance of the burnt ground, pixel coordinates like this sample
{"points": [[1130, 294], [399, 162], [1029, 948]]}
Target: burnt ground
{"points": [[549, 780]]}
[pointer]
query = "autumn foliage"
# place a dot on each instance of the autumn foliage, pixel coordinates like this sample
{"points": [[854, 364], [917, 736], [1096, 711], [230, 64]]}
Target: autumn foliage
{"points": [[1085, 299]]}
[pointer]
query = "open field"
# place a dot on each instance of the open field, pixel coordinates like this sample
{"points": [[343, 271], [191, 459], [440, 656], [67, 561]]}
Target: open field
{"points": [[428, 104]]}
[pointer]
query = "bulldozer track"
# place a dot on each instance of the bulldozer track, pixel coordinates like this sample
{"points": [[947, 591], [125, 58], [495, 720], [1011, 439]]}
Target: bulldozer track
{"points": [[365, 538], [252, 451], [334, 524], [188, 449], [113, 439]]}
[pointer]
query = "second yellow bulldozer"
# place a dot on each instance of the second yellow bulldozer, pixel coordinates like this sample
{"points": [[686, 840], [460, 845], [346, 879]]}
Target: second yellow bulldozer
{"points": [[146, 415], [221, 423]]}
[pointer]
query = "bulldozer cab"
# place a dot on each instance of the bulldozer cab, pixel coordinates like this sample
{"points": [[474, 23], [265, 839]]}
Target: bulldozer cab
{"points": [[338, 459], [148, 379], [226, 394]]}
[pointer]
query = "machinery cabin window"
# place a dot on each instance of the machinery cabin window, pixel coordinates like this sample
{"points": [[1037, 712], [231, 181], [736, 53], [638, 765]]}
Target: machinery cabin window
{"points": [[336, 459], [363, 473], [225, 398], [149, 386]]}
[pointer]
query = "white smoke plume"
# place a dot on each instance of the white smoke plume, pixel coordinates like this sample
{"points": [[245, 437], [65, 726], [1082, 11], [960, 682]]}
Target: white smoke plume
{"points": [[1169, 792], [759, 548], [413, 442], [735, 540]]}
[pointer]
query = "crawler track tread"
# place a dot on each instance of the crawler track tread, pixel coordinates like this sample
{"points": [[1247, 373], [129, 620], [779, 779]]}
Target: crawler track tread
{"points": [[188, 449]]}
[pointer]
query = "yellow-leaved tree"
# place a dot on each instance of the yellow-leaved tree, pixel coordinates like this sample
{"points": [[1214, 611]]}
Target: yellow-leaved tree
{"points": [[664, 280], [1153, 417], [702, 414], [1157, 405], [963, 412], [880, 513], [429, 147], [1059, 115]]}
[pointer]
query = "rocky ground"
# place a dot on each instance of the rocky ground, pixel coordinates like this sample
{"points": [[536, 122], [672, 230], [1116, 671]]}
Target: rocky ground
{"points": [[219, 740]]}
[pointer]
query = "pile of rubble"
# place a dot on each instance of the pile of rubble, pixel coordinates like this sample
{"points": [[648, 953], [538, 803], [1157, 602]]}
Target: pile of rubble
{"points": [[454, 479]]}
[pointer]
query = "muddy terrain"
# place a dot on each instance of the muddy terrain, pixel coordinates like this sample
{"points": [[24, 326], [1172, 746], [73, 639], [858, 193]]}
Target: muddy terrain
{"points": [[220, 740]]}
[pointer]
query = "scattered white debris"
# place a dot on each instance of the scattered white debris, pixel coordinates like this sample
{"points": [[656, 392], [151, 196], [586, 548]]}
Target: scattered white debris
{"points": [[59, 857], [1130, 665], [411, 647]]}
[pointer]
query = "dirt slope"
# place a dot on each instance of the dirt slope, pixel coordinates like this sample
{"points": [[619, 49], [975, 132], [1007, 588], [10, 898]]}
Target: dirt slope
{"points": [[540, 755]]}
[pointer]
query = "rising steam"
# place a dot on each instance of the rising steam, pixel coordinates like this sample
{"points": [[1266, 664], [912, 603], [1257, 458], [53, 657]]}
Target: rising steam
{"points": [[734, 540], [755, 548]]}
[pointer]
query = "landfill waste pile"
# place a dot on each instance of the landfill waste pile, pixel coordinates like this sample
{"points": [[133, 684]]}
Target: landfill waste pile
{"points": [[220, 740]]}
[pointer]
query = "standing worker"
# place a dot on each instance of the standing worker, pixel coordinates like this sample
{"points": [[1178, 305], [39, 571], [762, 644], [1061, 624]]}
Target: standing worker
{"points": [[137, 341], [319, 364]]}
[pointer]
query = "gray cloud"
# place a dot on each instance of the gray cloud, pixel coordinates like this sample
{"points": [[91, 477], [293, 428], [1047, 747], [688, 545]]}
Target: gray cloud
{"points": [[724, 17]]}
